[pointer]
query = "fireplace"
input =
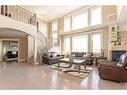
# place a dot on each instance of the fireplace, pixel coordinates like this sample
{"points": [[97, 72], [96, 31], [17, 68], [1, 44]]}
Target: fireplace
{"points": [[116, 54]]}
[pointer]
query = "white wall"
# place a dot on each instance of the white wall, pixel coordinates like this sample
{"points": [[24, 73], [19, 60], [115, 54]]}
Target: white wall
{"points": [[6, 22]]}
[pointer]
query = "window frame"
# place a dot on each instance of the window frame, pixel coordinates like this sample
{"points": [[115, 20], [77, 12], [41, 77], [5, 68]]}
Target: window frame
{"points": [[101, 40], [52, 25], [53, 32], [88, 10], [65, 18], [65, 43], [79, 36], [77, 14], [94, 7]]}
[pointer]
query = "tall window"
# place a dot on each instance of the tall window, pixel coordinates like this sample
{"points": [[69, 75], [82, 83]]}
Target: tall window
{"points": [[96, 15], [80, 43], [54, 25], [42, 26], [80, 21], [67, 22], [67, 44], [54, 36], [96, 42], [54, 39]]}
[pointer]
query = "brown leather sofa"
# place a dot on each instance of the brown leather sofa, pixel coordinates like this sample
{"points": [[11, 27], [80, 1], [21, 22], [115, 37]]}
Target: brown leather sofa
{"points": [[115, 71]]}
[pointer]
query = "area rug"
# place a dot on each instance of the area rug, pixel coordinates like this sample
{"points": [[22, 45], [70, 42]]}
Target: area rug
{"points": [[72, 70]]}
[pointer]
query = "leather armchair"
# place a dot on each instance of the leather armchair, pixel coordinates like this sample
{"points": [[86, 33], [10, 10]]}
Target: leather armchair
{"points": [[90, 60], [114, 71]]}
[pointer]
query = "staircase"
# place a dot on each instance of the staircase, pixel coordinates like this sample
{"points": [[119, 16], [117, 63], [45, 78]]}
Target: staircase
{"points": [[42, 46], [17, 18]]}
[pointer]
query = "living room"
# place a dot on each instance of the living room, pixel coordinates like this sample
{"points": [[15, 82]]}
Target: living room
{"points": [[96, 40], [79, 47]]}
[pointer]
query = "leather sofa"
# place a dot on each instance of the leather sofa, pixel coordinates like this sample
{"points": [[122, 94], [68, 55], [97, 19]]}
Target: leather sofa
{"points": [[114, 71], [80, 55], [77, 55], [51, 58]]}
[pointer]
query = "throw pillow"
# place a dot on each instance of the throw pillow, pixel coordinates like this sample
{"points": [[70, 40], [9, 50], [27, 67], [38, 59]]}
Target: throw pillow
{"points": [[49, 54], [85, 56], [119, 64], [88, 55]]}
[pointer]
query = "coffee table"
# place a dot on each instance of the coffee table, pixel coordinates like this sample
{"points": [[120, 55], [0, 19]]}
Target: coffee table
{"points": [[78, 62]]}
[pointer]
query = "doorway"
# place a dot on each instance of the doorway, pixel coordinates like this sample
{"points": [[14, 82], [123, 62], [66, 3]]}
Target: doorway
{"points": [[10, 51]]}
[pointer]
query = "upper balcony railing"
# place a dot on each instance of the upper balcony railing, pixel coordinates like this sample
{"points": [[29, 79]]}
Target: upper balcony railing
{"points": [[18, 13]]}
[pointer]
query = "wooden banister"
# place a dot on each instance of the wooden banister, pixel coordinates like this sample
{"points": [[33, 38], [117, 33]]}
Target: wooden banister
{"points": [[18, 13]]}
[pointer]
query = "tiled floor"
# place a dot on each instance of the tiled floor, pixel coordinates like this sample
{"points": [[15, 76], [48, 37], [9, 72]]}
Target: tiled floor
{"points": [[26, 76]]}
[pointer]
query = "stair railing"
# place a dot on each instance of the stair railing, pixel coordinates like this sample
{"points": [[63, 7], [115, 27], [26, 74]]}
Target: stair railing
{"points": [[18, 13]]}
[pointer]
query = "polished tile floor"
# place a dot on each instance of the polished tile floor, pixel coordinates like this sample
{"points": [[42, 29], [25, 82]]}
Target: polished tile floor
{"points": [[26, 76]]}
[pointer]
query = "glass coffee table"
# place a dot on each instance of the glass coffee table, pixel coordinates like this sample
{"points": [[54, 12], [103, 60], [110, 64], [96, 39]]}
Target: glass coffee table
{"points": [[78, 62]]}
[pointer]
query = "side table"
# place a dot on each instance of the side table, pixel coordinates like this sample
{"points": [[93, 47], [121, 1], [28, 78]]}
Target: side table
{"points": [[98, 59]]}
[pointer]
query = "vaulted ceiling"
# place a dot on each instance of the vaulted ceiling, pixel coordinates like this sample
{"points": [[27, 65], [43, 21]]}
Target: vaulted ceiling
{"points": [[52, 12]]}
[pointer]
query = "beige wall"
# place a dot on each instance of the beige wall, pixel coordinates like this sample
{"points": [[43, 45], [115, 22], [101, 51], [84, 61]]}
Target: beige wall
{"points": [[105, 41], [31, 49], [109, 11], [49, 35], [23, 48]]}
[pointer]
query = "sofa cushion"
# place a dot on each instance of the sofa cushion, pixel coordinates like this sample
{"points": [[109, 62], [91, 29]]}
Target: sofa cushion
{"points": [[110, 64], [85, 56], [49, 54], [54, 54]]}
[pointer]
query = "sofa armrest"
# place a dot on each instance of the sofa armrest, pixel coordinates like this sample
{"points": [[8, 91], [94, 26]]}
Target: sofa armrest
{"points": [[110, 71], [109, 64]]}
